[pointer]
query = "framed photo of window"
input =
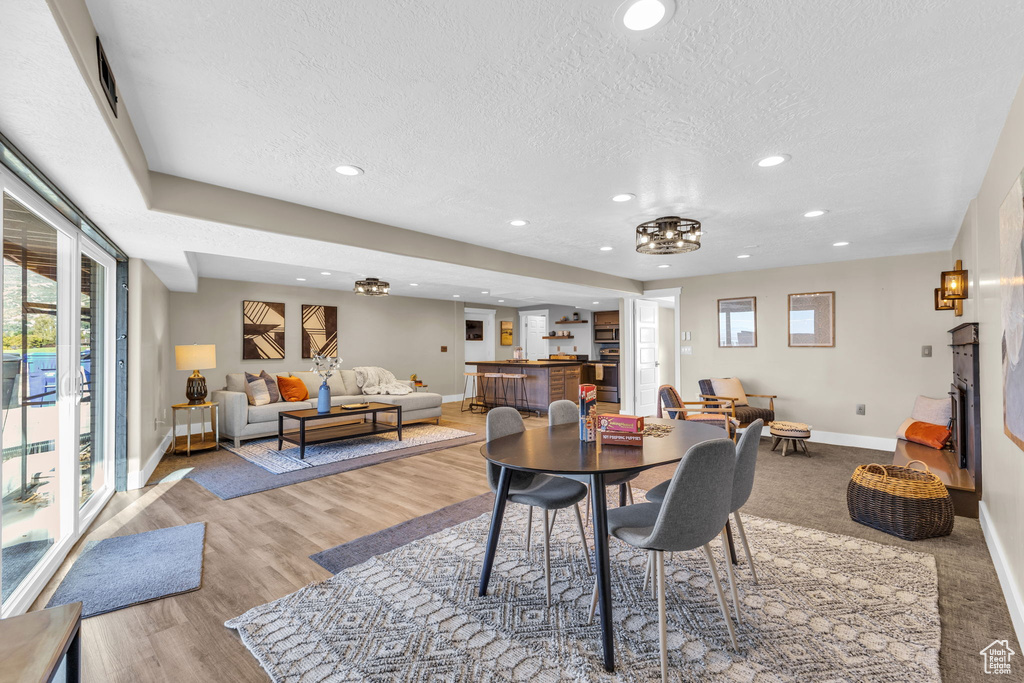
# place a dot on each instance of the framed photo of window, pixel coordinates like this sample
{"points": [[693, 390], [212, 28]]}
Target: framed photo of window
{"points": [[737, 322], [812, 319]]}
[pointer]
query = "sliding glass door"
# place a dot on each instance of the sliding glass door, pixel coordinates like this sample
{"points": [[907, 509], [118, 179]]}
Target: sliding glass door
{"points": [[56, 410]]}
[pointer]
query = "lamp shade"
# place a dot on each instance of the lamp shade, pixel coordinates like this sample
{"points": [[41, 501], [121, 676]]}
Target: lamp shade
{"points": [[195, 356]]}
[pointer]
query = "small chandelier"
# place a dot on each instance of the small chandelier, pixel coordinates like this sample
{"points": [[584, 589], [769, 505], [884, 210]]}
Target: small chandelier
{"points": [[371, 286], [668, 235]]}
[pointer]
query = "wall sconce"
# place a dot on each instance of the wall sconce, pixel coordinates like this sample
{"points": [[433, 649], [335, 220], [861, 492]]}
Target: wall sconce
{"points": [[943, 304], [953, 289]]}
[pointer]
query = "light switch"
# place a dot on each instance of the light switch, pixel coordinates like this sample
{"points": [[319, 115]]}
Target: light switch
{"points": [[686, 351]]}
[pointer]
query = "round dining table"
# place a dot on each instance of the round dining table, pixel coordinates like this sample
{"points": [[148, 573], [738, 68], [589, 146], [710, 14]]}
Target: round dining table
{"points": [[558, 450]]}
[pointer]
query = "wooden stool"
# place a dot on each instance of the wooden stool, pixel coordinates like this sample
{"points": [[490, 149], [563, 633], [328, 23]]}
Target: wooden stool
{"points": [[791, 434], [497, 380], [475, 400], [518, 383]]}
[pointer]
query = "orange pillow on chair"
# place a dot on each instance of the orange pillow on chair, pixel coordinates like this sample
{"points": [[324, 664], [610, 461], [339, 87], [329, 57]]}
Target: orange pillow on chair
{"points": [[292, 388], [927, 434]]}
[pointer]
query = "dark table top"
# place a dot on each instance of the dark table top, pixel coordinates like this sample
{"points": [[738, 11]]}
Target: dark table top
{"points": [[558, 450], [336, 411], [527, 363]]}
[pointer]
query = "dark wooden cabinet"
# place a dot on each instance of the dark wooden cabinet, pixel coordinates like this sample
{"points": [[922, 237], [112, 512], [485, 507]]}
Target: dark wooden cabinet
{"points": [[546, 381]]}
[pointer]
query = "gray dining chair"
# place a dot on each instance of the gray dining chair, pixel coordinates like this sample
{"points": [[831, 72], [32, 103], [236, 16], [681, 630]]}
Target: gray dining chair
{"points": [[742, 485], [694, 511], [544, 491], [566, 412]]}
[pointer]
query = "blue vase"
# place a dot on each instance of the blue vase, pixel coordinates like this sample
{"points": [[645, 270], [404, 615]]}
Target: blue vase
{"points": [[323, 399]]}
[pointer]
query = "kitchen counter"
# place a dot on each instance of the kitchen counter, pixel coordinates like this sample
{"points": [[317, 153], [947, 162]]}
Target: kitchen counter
{"points": [[546, 381]]}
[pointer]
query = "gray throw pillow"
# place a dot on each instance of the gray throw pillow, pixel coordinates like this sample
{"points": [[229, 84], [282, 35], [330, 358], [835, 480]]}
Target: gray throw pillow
{"points": [[275, 394]]}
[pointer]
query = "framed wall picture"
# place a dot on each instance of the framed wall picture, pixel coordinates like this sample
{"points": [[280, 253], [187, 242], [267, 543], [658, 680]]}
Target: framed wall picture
{"points": [[1011, 285], [812, 319], [474, 330], [737, 322], [262, 330], [319, 331], [506, 333]]}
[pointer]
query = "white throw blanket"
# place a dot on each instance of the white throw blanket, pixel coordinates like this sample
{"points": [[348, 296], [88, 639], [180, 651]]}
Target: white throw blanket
{"points": [[375, 381]]}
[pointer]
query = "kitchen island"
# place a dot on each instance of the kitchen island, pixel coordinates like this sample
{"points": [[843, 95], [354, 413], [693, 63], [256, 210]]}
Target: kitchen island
{"points": [[546, 381]]}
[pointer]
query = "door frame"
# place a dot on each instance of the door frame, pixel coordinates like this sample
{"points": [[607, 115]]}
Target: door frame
{"points": [[485, 315], [523, 332], [74, 519]]}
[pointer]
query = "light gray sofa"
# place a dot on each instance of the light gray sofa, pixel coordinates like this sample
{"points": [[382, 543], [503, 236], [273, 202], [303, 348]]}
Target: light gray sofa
{"points": [[239, 420]]}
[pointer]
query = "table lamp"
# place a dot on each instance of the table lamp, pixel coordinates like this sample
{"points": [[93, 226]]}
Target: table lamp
{"points": [[195, 357]]}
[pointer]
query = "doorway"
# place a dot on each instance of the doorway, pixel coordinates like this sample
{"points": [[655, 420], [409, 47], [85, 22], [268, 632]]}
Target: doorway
{"points": [[655, 353], [480, 341], [533, 325]]}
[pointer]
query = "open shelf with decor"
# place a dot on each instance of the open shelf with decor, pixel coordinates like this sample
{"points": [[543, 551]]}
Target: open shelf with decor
{"points": [[571, 322], [560, 336]]}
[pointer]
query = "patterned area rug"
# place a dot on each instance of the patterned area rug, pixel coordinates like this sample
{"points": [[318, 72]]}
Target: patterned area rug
{"points": [[265, 454], [828, 607]]}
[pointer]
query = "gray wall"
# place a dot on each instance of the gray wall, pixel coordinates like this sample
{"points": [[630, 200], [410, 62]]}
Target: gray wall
{"points": [[583, 335], [501, 313], [1002, 505], [884, 315], [152, 384], [402, 334]]}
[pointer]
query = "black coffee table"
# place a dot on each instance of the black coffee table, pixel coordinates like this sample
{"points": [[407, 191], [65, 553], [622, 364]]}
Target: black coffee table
{"points": [[303, 436]]}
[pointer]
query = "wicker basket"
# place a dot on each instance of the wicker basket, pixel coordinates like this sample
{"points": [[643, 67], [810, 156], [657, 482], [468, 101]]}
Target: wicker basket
{"points": [[902, 501]]}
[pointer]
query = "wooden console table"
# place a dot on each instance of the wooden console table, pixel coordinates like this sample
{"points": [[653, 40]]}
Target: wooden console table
{"points": [[33, 645]]}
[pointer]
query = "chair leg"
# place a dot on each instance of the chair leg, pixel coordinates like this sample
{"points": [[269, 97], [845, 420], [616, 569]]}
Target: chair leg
{"points": [[554, 513], [647, 571], [721, 595], [593, 605], [785, 447], [732, 579], [629, 494], [587, 514], [746, 546], [529, 527], [547, 557], [583, 537], [775, 442], [659, 564]]}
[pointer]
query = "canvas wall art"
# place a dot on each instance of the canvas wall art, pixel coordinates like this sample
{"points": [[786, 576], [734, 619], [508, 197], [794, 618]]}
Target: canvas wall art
{"points": [[506, 333], [1011, 283], [262, 330], [319, 331]]}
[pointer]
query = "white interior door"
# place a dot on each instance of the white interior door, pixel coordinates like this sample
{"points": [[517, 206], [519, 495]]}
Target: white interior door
{"points": [[646, 357], [481, 349], [536, 346]]}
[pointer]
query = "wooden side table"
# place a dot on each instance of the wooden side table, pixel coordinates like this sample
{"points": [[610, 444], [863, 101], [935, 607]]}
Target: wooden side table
{"points": [[206, 440], [33, 645]]}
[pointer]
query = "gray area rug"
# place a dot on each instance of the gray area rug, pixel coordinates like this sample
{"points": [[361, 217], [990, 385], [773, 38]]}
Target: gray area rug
{"points": [[227, 475], [126, 570], [18, 561], [828, 607], [265, 454], [361, 549]]}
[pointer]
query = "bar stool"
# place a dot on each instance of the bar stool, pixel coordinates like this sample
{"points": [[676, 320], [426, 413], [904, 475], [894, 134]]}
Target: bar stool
{"points": [[497, 382], [475, 399], [518, 383]]}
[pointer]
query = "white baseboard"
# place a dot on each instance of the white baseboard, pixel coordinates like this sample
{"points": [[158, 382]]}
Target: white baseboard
{"points": [[878, 443], [137, 480], [182, 429], [451, 398], [1013, 597]]}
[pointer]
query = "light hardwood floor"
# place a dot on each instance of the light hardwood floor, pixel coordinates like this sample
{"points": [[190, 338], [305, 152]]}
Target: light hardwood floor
{"points": [[257, 550]]}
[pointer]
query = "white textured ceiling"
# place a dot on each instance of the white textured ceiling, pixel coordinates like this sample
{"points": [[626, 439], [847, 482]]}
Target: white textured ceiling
{"points": [[468, 114]]}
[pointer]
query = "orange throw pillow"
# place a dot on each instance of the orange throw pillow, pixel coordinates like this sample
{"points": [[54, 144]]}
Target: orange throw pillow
{"points": [[928, 434], [292, 388]]}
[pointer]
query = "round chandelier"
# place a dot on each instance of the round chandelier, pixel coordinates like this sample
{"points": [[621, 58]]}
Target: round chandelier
{"points": [[668, 235], [371, 286]]}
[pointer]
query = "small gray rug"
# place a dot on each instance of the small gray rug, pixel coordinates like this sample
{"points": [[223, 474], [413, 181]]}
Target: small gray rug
{"points": [[265, 454], [127, 570], [18, 561], [828, 607]]}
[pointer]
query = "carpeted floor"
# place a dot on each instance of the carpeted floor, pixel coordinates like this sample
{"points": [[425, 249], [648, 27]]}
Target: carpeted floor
{"points": [[18, 561], [227, 475], [812, 492], [127, 570], [828, 607]]}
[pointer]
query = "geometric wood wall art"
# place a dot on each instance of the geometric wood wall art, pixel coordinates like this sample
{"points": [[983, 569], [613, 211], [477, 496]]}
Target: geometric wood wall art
{"points": [[1011, 285], [262, 330], [319, 331]]}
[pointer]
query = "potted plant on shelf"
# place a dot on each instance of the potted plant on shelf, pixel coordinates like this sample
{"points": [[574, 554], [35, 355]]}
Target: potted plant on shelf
{"points": [[324, 366]]}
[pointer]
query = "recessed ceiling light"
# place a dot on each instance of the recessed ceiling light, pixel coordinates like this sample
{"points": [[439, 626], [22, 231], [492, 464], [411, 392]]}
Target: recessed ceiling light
{"points": [[501, 301], [768, 162], [519, 222], [641, 15], [413, 284], [485, 292], [743, 256], [841, 244], [663, 265], [596, 302], [324, 272], [457, 296], [301, 279], [606, 248], [349, 170], [815, 213], [625, 197]]}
